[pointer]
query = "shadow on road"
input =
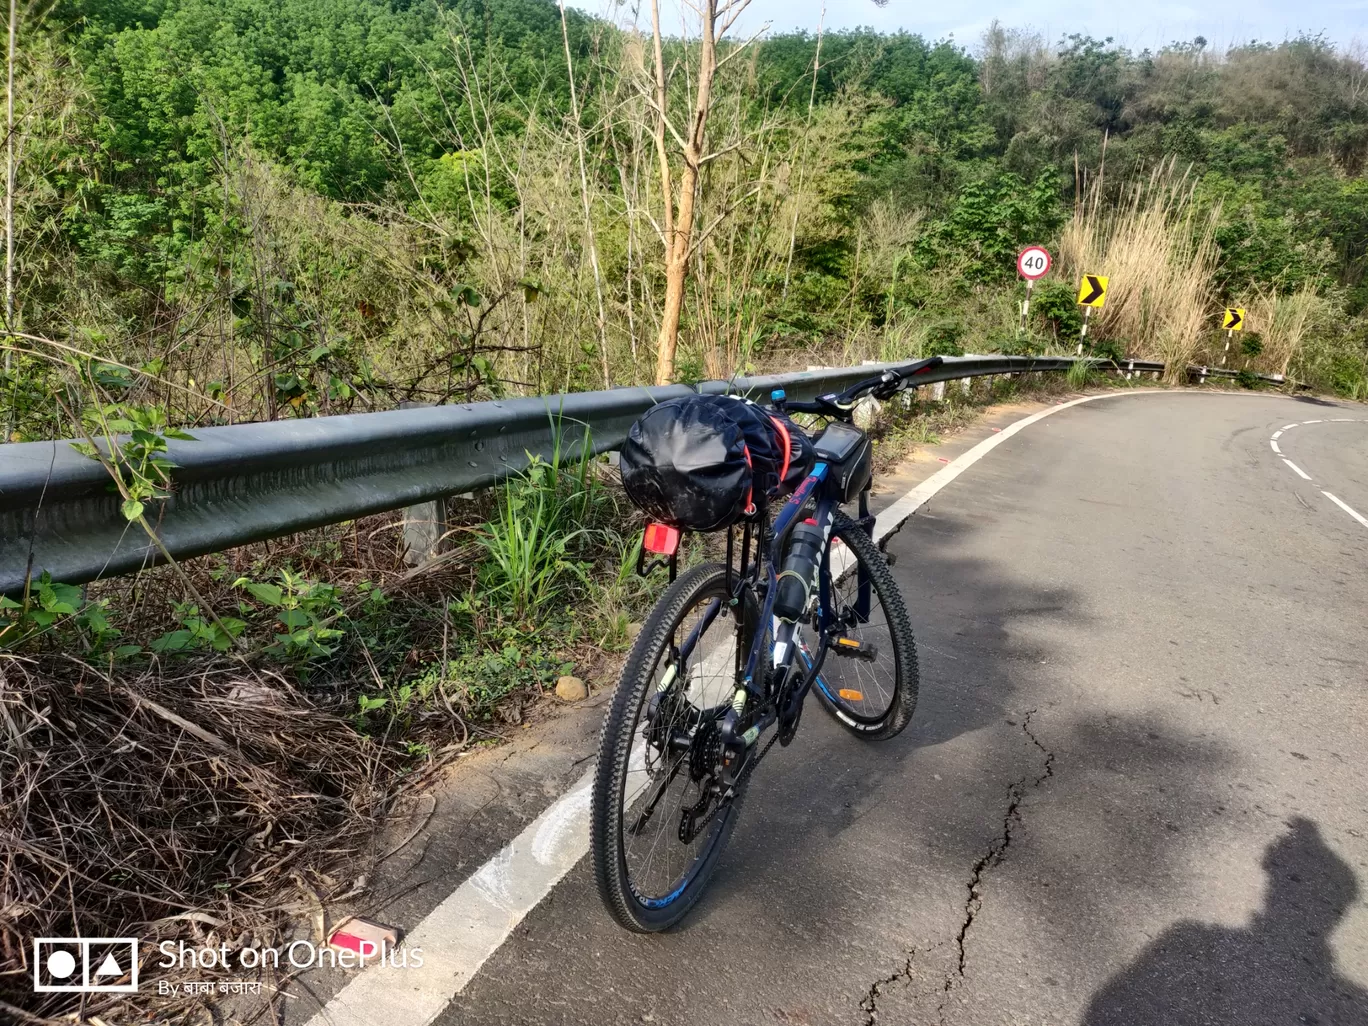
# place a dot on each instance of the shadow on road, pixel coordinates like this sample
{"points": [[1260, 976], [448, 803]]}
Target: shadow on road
{"points": [[1314, 401], [1278, 969]]}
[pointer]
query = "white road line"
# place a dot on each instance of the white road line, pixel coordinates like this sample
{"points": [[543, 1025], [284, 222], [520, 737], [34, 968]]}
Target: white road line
{"points": [[1273, 441], [1346, 507], [458, 935], [474, 921]]}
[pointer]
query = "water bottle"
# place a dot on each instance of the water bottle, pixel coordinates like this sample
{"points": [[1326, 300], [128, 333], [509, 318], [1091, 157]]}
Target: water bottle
{"points": [[799, 574]]}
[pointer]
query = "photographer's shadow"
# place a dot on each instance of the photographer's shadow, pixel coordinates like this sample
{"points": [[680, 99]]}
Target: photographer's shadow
{"points": [[1280, 969]]}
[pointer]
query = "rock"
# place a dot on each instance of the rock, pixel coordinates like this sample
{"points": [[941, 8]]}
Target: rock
{"points": [[571, 689]]}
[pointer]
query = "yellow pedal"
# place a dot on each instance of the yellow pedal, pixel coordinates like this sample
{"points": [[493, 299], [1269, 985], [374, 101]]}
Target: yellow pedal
{"points": [[851, 647], [851, 695]]}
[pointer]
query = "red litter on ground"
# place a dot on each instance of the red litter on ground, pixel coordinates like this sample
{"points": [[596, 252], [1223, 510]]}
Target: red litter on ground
{"points": [[363, 936], [942, 459], [997, 429]]}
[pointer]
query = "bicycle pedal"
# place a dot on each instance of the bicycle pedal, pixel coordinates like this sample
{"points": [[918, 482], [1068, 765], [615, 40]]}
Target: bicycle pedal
{"points": [[855, 649]]}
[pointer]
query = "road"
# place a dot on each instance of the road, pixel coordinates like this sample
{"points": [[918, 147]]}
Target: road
{"points": [[1134, 790]]}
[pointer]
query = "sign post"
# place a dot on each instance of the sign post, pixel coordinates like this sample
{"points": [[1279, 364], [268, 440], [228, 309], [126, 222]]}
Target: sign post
{"points": [[1092, 293], [1233, 321], [1033, 263]]}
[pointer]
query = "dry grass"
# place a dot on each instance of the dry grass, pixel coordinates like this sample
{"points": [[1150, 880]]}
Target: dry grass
{"points": [[214, 806], [206, 799], [1284, 322], [1160, 253]]}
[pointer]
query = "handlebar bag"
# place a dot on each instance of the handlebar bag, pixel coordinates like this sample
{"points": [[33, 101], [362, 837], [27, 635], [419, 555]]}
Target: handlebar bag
{"points": [[701, 462]]}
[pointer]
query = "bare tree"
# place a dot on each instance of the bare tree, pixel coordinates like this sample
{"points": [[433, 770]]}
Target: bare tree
{"points": [[716, 18]]}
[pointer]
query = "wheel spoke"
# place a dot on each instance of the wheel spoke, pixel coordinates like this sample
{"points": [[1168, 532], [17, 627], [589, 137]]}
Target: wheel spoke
{"points": [[658, 864]]}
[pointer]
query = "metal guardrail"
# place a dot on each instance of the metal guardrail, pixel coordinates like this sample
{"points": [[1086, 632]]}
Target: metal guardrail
{"points": [[245, 483]]}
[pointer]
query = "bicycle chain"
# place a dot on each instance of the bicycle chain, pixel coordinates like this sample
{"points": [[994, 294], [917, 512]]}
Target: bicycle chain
{"points": [[741, 780]]}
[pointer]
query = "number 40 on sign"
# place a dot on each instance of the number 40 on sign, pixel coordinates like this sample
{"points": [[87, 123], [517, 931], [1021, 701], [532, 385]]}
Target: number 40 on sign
{"points": [[1033, 263]]}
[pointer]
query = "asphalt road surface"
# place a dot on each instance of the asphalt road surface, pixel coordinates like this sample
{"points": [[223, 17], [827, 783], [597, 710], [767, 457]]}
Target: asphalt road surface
{"points": [[1134, 790]]}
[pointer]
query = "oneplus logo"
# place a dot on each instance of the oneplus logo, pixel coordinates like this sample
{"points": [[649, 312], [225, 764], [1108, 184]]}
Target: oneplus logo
{"points": [[85, 965]]}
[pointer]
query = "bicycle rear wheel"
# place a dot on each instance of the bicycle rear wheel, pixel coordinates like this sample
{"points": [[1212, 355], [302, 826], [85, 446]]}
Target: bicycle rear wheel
{"points": [[659, 818], [874, 698]]}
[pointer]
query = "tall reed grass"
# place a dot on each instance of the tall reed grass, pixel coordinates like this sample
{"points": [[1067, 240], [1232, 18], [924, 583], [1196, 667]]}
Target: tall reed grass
{"points": [[1284, 322], [1159, 250]]}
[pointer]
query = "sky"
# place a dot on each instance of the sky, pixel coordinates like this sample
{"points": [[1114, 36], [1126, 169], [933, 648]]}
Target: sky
{"points": [[1137, 25]]}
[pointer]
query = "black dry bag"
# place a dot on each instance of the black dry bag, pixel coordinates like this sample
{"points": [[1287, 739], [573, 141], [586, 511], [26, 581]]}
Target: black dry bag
{"points": [[702, 462]]}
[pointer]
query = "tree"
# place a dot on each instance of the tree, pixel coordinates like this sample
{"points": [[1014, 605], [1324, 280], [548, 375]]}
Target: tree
{"points": [[716, 18]]}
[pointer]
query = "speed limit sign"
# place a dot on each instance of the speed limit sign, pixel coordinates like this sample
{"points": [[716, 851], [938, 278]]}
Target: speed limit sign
{"points": [[1033, 262]]}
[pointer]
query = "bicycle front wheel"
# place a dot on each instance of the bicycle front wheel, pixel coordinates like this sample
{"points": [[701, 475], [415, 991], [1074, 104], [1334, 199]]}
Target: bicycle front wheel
{"points": [[660, 817], [873, 694]]}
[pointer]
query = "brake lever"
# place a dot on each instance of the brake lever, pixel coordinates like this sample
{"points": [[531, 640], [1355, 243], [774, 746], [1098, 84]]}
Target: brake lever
{"points": [[891, 385]]}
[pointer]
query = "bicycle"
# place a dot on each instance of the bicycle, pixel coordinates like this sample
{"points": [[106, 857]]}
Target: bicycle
{"points": [[730, 651]]}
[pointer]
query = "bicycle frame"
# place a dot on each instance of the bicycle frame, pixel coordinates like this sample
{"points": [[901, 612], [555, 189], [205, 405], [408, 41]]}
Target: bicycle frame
{"points": [[786, 642]]}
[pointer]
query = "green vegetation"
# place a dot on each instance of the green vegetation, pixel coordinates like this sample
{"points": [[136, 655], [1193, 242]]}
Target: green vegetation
{"points": [[320, 206], [230, 210]]}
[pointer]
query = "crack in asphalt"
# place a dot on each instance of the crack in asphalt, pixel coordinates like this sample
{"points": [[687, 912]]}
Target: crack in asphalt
{"points": [[993, 857], [870, 1003]]}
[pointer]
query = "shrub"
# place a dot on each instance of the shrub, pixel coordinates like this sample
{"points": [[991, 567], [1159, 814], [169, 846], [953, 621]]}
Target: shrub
{"points": [[1054, 303], [943, 339]]}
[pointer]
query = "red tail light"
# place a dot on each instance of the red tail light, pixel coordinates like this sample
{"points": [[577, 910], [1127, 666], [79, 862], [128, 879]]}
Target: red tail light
{"points": [[661, 539]]}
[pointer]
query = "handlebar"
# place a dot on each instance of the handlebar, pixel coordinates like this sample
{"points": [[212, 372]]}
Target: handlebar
{"points": [[884, 385]]}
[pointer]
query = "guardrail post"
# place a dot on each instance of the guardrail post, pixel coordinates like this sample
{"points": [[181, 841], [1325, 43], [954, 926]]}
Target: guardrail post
{"points": [[938, 391], [425, 524], [425, 527]]}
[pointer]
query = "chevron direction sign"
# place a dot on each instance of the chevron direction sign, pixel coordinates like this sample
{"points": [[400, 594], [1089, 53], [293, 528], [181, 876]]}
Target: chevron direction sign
{"points": [[1092, 290]]}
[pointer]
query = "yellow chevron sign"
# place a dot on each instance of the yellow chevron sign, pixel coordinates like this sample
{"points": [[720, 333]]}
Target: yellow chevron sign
{"points": [[1234, 319], [1092, 290]]}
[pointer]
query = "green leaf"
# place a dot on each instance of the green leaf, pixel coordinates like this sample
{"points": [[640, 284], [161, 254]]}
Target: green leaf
{"points": [[268, 593], [126, 651], [132, 509], [184, 436], [293, 618], [172, 641]]}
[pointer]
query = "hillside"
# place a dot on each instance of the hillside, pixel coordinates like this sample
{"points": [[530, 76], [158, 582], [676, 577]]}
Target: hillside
{"points": [[284, 207]]}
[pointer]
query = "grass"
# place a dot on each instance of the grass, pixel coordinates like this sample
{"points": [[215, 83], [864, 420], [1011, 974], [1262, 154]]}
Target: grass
{"points": [[1160, 254]]}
